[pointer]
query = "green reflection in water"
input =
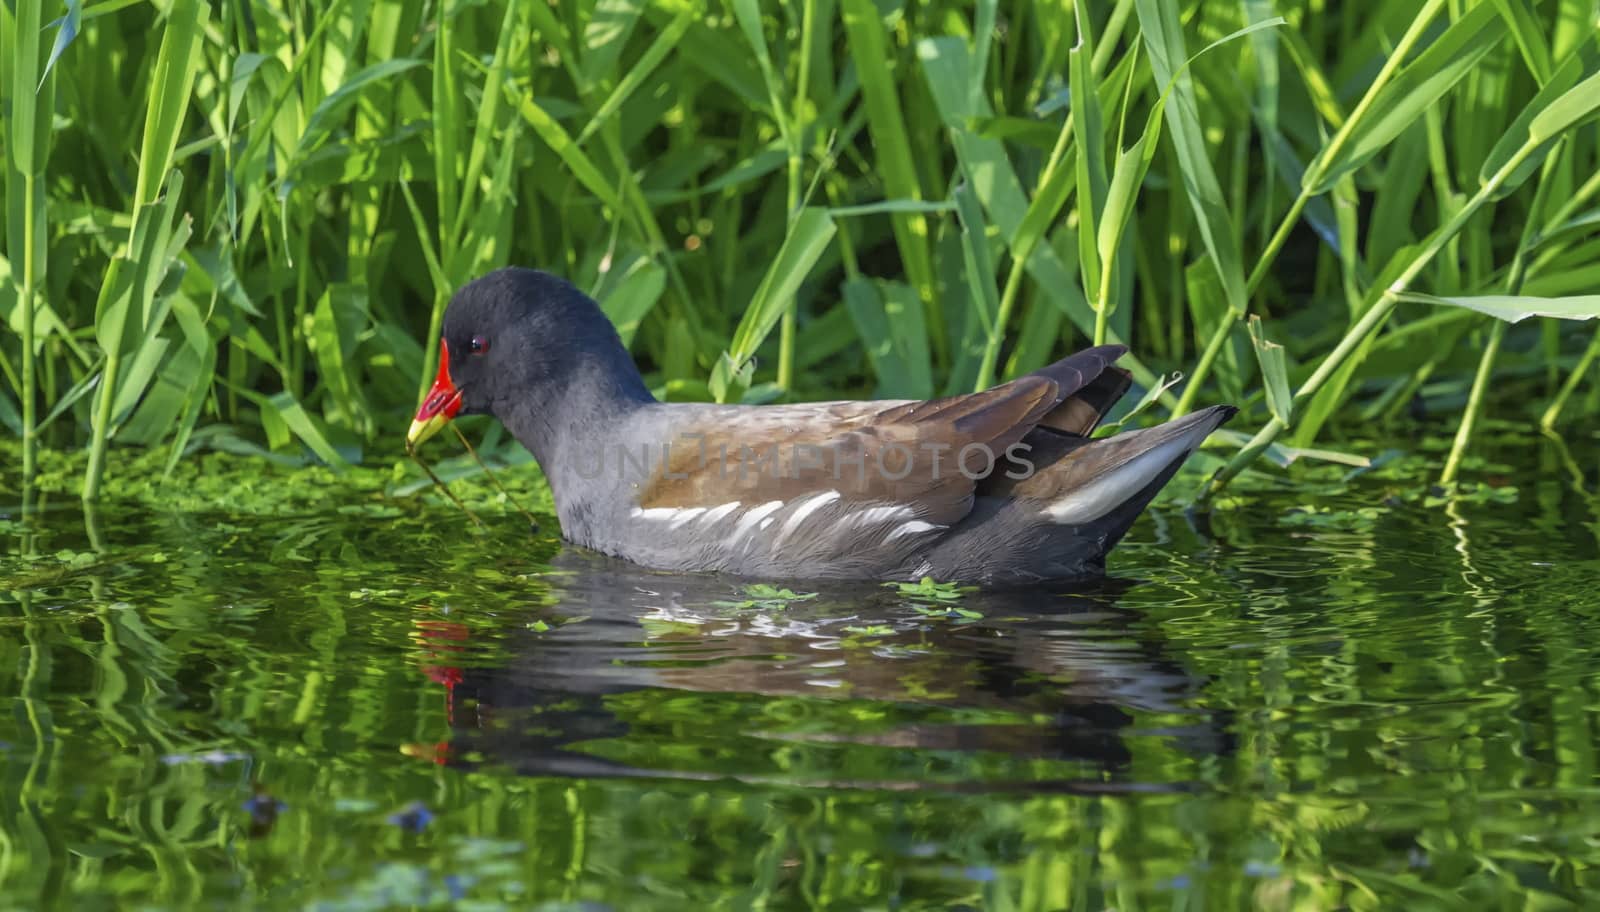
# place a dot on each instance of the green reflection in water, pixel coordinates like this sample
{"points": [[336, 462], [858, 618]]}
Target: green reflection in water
{"points": [[316, 695]]}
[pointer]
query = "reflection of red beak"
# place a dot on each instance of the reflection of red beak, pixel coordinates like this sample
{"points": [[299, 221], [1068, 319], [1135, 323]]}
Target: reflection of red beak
{"points": [[440, 405], [438, 753], [435, 638]]}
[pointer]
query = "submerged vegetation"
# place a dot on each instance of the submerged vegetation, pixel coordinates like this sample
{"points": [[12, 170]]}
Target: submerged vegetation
{"points": [[235, 226]]}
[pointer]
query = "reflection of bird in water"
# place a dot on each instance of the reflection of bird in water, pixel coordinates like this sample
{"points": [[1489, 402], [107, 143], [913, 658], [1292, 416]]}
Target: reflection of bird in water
{"points": [[1036, 675]]}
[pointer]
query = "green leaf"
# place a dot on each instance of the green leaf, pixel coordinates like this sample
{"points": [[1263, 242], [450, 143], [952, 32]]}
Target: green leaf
{"points": [[1574, 107], [1525, 28], [488, 120], [1560, 105], [1581, 222], [808, 236], [1163, 36], [888, 320], [767, 596], [1133, 164], [560, 142], [748, 14], [28, 123], [170, 87], [1284, 455], [1516, 308], [324, 118], [634, 296], [635, 75], [980, 269], [870, 630], [183, 373], [1274, 372], [337, 322], [89, 380], [929, 588], [988, 169], [284, 408], [197, 387], [66, 31], [1126, 178], [488, 226], [886, 123], [605, 34], [1048, 200], [135, 378], [891, 206], [1089, 130], [126, 306], [1150, 397], [714, 53], [448, 121], [1412, 92], [10, 417]]}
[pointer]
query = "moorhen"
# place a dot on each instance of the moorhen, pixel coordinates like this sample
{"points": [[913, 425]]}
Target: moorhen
{"points": [[1003, 486]]}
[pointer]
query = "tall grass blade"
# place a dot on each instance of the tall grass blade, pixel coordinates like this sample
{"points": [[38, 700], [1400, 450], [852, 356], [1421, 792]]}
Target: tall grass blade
{"points": [[809, 235], [1570, 95], [1274, 372], [994, 180], [887, 125], [634, 296], [1163, 38], [1089, 131], [980, 272], [124, 311], [66, 30], [29, 98], [1516, 308], [1590, 357], [891, 316], [1416, 88]]}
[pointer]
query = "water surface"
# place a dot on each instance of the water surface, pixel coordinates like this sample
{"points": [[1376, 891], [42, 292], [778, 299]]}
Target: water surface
{"points": [[1345, 695]]}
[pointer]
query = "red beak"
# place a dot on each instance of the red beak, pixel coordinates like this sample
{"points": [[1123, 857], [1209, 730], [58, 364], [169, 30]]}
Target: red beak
{"points": [[440, 405]]}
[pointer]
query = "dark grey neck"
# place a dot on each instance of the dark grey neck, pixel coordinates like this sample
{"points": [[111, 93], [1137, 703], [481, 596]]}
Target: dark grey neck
{"points": [[570, 429]]}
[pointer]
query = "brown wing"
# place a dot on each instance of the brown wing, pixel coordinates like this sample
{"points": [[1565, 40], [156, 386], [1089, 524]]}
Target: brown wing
{"points": [[850, 488], [1088, 385], [922, 457]]}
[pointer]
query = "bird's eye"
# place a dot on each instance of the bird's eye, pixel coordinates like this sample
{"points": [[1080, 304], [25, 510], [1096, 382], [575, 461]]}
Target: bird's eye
{"points": [[478, 345]]}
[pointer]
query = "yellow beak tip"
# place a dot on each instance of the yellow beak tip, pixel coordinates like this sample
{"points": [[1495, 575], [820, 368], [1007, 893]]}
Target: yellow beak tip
{"points": [[422, 430]]}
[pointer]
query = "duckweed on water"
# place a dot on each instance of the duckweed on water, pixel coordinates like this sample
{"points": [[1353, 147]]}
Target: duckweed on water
{"points": [[767, 597], [928, 588], [250, 484]]}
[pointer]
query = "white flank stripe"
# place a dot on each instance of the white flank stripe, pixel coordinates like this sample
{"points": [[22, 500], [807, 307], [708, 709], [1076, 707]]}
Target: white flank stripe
{"points": [[1112, 489], [804, 509], [749, 520], [716, 514], [914, 527], [684, 516], [879, 514], [655, 513]]}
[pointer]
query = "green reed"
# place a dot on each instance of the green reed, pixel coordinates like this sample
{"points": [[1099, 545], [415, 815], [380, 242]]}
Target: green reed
{"points": [[237, 226]]}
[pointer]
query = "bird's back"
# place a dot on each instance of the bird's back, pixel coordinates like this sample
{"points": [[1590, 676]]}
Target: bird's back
{"points": [[994, 486]]}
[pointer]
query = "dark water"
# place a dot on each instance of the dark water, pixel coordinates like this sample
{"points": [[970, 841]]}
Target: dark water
{"points": [[369, 706]]}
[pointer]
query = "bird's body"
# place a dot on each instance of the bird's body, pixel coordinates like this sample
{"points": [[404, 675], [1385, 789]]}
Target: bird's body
{"points": [[998, 486]]}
